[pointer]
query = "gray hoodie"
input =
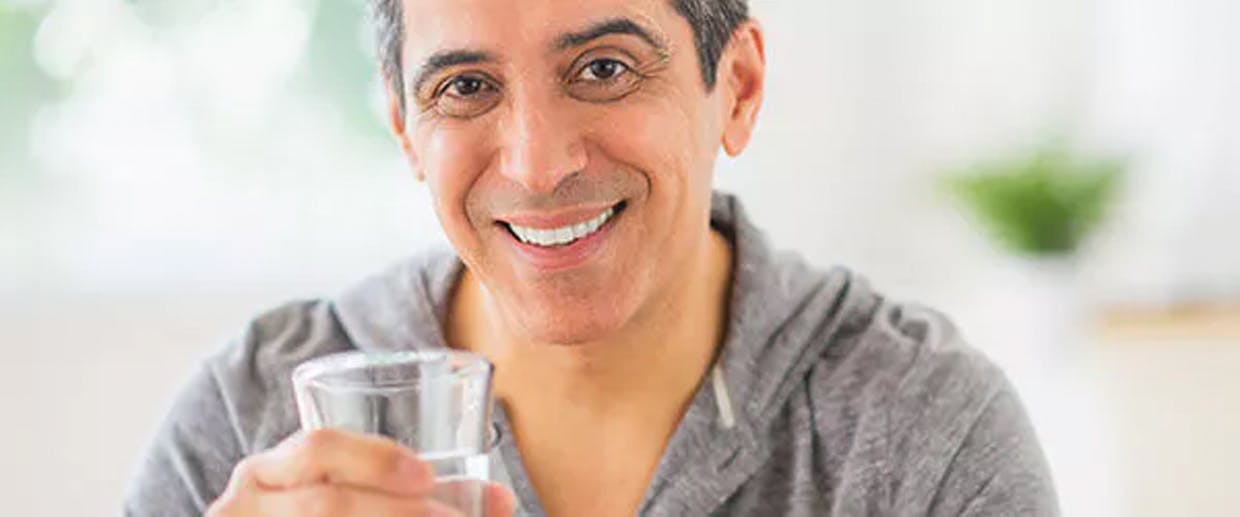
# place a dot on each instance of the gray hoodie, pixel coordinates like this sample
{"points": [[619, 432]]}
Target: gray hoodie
{"points": [[826, 399]]}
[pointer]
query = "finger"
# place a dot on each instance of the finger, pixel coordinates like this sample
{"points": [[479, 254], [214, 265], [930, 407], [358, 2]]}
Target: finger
{"points": [[500, 501], [335, 456], [334, 500]]}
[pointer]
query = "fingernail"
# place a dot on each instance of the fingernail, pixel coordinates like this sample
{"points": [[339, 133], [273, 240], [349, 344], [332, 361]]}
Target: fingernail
{"points": [[508, 499]]}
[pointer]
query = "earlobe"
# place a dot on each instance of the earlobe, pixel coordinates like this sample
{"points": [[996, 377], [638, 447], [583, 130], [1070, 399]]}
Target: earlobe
{"points": [[745, 77], [396, 122]]}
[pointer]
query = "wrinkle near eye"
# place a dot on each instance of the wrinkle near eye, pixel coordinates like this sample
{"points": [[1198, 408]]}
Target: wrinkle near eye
{"points": [[464, 95], [586, 81]]}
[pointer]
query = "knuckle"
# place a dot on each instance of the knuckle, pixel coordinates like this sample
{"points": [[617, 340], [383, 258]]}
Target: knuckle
{"points": [[245, 469], [319, 440], [386, 462]]}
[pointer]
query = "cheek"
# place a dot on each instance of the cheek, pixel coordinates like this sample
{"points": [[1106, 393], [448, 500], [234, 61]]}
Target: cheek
{"points": [[667, 140], [453, 159], [657, 139]]}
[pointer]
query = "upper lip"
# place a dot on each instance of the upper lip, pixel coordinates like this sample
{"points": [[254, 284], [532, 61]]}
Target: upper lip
{"points": [[558, 218]]}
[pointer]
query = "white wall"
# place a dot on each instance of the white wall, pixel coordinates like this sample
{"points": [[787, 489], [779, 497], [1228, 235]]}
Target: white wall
{"points": [[869, 104], [1167, 78]]}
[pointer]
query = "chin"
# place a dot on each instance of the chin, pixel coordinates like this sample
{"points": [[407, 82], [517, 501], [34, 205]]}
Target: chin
{"points": [[574, 309], [572, 324]]}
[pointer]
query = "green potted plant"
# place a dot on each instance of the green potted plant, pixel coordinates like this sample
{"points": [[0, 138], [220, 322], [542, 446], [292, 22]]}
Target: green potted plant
{"points": [[1041, 207], [1042, 204]]}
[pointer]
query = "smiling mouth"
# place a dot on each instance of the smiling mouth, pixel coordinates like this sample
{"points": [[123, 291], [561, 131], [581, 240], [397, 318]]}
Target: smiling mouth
{"points": [[564, 235]]}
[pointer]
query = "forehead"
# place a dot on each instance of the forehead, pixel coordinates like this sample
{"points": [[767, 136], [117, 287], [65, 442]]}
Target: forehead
{"points": [[512, 27]]}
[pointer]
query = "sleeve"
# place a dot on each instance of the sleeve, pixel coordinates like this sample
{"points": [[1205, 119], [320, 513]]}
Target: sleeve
{"points": [[188, 462], [999, 469]]}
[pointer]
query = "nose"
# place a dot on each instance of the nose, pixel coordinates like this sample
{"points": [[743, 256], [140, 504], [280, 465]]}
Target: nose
{"points": [[541, 144]]}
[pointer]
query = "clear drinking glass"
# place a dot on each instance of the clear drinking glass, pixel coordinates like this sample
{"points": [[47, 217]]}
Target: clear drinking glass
{"points": [[437, 402]]}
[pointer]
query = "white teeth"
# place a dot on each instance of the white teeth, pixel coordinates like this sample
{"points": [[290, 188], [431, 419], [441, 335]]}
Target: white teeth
{"points": [[581, 230], [561, 236]]}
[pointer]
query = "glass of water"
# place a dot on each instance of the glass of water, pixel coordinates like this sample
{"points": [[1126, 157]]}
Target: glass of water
{"points": [[437, 402]]}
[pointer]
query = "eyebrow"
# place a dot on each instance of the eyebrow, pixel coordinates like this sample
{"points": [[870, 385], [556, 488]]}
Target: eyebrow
{"points": [[447, 58], [606, 27]]}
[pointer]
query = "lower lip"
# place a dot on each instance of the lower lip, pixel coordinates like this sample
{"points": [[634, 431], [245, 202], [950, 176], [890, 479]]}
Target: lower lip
{"points": [[559, 258]]}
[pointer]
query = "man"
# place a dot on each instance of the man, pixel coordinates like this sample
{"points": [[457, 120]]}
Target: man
{"points": [[652, 355]]}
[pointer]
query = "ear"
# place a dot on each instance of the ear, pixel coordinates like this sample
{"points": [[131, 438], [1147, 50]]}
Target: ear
{"points": [[396, 121], [742, 80]]}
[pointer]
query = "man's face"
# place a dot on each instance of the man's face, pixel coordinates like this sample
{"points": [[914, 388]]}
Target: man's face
{"points": [[568, 145]]}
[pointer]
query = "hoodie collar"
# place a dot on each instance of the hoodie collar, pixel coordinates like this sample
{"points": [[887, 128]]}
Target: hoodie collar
{"points": [[784, 314]]}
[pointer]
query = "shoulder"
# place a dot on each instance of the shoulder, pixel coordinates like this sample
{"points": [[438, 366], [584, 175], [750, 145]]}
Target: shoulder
{"points": [[251, 375], [938, 418], [899, 370], [911, 361], [387, 309], [957, 437], [240, 400], [237, 402], [930, 358]]}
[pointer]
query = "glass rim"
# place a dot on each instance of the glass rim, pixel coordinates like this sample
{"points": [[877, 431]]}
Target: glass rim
{"points": [[308, 373]]}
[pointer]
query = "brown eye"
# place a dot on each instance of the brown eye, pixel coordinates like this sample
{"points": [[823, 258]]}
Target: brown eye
{"points": [[466, 86], [602, 69], [603, 80], [466, 96]]}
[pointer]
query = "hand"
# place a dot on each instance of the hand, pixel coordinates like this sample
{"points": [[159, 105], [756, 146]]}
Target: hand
{"points": [[336, 473]]}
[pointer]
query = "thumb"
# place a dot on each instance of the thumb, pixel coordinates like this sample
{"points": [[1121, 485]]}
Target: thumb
{"points": [[500, 502]]}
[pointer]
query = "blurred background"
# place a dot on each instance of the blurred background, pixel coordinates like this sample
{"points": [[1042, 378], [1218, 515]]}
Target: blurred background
{"points": [[168, 169]]}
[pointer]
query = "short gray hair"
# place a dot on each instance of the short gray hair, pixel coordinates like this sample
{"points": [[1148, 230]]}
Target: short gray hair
{"points": [[713, 22]]}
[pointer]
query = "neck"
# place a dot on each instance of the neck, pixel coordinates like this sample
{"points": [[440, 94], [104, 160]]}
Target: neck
{"points": [[652, 365]]}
